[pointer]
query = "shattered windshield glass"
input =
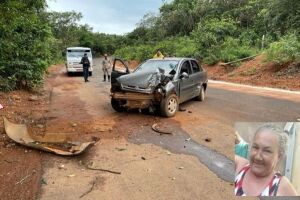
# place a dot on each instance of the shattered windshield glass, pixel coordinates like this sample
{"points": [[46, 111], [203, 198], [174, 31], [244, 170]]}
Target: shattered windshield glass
{"points": [[152, 65]]}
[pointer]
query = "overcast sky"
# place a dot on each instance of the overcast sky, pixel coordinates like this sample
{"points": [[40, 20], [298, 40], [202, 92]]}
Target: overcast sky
{"points": [[108, 16]]}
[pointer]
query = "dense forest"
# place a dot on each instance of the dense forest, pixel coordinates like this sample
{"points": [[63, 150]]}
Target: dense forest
{"points": [[220, 30]]}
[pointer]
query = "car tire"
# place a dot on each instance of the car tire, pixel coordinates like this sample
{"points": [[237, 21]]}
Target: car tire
{"points": [[116, 105], [201, 95], [169, 106], [69, 73]]}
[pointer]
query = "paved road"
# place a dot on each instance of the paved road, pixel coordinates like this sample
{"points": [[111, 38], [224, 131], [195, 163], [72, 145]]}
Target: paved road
{"points": [[153, 166]]}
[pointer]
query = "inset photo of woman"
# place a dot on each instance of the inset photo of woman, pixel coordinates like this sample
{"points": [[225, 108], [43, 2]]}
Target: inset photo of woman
{"points": [[267, 159]]}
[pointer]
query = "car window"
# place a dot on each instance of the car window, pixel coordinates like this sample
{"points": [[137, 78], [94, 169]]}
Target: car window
{"points": [[152, 65], [119, 66], [195, 66], [186, 67]]}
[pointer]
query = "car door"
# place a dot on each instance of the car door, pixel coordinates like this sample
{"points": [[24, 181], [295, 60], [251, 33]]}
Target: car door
{"points": [[185, 83], [198, 77], [119, 69]]}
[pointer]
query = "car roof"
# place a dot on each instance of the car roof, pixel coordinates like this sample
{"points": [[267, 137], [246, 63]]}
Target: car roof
{"points": [[172, 58], [86, 48]]}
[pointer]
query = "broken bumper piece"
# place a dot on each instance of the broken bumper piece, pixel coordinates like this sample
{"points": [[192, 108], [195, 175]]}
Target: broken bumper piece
{"points": [[19, 134]]}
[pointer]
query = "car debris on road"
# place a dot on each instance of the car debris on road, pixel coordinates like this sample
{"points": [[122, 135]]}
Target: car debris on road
{"points": [[19, 134], [157, 129]]}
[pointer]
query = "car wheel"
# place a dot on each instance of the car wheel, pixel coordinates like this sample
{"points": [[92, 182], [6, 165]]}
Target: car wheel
{"points": [[201, 95], [116, 105], [169, 106]]}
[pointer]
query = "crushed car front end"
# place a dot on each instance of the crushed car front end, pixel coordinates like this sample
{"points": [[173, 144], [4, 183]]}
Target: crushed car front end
{"points": [[141, 90]]}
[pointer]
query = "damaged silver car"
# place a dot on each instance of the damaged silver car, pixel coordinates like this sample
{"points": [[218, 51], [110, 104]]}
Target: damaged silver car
{"points": [[157, 85]]}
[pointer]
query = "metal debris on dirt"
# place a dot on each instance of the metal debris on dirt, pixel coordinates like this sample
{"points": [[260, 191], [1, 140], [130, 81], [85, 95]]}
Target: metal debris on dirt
{"points": [[157, 129], [91, 167], [19, 134], [120, 149], [91, 189]]}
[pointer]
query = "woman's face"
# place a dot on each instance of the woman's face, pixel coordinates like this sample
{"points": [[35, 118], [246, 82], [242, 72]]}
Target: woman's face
{"points": [[264, 153]]}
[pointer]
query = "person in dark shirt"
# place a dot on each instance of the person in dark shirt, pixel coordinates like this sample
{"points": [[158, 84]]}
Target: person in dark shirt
{"points": [[86, 65]]}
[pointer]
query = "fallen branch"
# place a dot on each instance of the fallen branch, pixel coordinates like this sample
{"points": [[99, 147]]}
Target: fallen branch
{"points": [[235, 61], [103, 170], [155, 128], [94, 182]]}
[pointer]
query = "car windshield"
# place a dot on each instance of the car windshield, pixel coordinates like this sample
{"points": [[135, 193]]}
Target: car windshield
{"points": [[152, 65]]}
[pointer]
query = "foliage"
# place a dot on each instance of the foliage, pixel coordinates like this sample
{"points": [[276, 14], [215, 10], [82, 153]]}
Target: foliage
{"points": [[26, 42], [175, 46], [213, 31], [286, 49], [211, 24], [64, 27], [229, 50]]}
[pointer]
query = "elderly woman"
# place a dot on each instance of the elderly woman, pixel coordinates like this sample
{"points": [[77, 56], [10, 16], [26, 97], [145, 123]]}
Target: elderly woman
{"points": [[257, 177]]}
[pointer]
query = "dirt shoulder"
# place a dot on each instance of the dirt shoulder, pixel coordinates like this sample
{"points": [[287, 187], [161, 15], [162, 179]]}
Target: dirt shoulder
{"points": [[21, 167], [257, 72]]}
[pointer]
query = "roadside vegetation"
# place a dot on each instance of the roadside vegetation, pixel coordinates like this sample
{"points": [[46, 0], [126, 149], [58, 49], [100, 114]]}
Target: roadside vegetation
{"points": [[219, 31], [32, 38]]}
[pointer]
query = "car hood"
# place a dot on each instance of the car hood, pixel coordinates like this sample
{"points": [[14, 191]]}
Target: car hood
{"points": [[138, 79]]}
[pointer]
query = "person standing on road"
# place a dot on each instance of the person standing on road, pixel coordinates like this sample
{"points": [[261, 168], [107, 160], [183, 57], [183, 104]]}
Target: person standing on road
{"points": [[106, 67], [158, 54], [86, 65]]}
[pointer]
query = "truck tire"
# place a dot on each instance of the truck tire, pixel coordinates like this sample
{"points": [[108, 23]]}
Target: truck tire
{"points": [[169, 105]]}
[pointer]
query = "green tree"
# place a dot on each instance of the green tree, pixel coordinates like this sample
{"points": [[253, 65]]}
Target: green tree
{"points": [[65, 27], [26, 42]]}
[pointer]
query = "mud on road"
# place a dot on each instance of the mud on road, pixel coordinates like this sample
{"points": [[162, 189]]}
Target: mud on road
{"points": [[151, 165]]}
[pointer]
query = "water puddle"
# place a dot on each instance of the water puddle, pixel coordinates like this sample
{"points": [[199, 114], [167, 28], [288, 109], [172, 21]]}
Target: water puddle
{"points": [[181, 143]]}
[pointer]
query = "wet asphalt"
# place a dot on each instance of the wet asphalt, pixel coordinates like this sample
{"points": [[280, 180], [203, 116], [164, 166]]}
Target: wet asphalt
{"points": [[181, 143]]}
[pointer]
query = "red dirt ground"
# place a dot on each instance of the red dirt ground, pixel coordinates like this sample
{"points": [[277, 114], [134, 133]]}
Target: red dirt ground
{"points": [[20, 167]]}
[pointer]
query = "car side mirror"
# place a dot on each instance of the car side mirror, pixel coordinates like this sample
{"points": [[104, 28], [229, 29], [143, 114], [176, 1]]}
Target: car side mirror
{"points": [[184, 75]]}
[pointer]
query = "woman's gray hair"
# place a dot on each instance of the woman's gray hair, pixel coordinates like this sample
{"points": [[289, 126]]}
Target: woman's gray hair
{"points": [[280, 133]]}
